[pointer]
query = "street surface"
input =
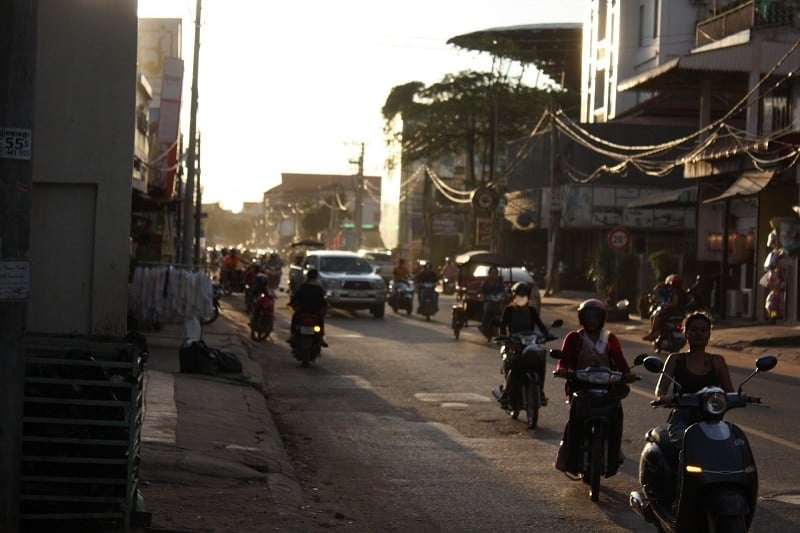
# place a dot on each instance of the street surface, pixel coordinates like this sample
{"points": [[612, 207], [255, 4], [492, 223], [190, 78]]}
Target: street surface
{"points": [[395, 429]]}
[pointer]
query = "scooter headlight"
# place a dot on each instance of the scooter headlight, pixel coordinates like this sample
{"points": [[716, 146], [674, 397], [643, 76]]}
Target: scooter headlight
{"points": [[715, 403]]}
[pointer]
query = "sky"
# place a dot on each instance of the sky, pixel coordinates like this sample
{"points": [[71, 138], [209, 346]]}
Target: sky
{"points": [[298, 86]]}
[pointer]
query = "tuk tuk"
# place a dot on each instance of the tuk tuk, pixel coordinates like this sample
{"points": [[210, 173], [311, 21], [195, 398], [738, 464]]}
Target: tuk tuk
{"points": [[472, 270]]}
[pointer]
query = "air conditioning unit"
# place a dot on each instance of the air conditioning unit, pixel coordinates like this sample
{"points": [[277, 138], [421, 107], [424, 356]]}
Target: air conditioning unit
{"points": [[747, 304]]}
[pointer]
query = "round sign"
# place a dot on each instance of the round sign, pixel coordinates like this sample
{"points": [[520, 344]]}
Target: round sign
{"points": [[619, 239]]}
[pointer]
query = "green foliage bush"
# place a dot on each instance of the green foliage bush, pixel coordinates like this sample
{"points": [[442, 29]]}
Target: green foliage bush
{"points": [[663, 263], [615, 275]]}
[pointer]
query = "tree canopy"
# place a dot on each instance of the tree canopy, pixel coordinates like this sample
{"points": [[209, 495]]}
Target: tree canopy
{"points": [[471, 113]]}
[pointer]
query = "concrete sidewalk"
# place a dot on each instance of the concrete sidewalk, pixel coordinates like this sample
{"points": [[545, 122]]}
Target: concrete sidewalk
{"points": [[209, 442]]}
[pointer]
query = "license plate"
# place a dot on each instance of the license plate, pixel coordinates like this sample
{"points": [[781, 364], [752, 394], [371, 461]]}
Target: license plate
{"points": [[306, 330], [358, 294]]}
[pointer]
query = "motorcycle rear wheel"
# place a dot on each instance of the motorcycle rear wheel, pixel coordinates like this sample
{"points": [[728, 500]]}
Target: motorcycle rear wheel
{"points": [[532, 404], [260, 329]]}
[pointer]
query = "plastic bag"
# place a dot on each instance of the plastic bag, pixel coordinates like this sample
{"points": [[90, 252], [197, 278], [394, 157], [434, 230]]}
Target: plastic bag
{"points": [[197, 358], [772, 260]]}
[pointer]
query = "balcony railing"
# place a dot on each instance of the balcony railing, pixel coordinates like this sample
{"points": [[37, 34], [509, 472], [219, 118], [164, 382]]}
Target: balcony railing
{"points": [[748, 15]]}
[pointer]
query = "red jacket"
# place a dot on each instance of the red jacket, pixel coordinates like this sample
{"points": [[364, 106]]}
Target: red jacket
{"points": [[572, 345]]}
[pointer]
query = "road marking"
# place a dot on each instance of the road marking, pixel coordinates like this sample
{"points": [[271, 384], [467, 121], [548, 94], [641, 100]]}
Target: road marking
{"points": [[160, 413], [747, 429], [452, 397]]}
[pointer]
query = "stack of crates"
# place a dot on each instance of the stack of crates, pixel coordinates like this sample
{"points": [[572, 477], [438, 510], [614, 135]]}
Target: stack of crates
{"points": [[81, 433]]}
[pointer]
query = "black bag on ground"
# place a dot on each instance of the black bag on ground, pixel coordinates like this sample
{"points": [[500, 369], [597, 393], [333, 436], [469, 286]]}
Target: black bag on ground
{"points": [[197, 358], [228, 361]]}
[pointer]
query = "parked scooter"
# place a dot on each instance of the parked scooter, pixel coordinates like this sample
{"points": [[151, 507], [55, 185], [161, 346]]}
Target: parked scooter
{"points": [[427, 299], [712, 484], [217, 288], [307, 338], [522, 354], [701, 294], [595, 395], [401, 295], [262, 318]]}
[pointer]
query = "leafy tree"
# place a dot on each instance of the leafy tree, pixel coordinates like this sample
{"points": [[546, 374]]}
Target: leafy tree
{"points": [[317, 218], [469, 112]]}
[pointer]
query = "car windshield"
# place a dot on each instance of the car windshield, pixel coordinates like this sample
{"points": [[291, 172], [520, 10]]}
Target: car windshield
{"points": [[354, 265]]}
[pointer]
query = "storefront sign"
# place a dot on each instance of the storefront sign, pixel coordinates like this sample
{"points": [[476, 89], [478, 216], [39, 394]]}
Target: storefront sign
{"points": [[15, 280]]}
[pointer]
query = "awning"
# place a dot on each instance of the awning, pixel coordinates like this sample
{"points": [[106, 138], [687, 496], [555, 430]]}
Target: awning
{"points": [[676, 197], [746, 185], [713, 63]]}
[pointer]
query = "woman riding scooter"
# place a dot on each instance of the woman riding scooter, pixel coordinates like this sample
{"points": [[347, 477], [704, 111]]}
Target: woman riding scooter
{"points": [[590, 346], [694, 370], [519, 316]]}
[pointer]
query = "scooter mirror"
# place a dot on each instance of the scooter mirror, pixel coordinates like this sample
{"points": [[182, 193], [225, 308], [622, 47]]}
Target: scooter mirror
{"points": [[557, 323], [640, 359], [765, 363], [653, 364], [556, 353]]}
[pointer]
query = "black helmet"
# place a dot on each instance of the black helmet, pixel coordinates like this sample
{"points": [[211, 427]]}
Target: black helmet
{"points": [[590, 306], [521, 288]]}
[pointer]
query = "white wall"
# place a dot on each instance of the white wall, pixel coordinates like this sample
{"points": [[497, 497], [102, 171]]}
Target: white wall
{"points": [[83, 143]]}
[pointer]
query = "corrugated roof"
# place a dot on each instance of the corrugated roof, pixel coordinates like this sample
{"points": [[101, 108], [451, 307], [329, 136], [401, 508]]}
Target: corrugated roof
{"points": [[715, 65]]}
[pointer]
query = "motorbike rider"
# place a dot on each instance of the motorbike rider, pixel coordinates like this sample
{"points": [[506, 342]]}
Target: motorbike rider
{"points": [[518, 315], [492, 285], [400, 271], [309, 298], [673, 301], [592, 345], [448, 270], [250, 273], [693, 370], [427, 275]]}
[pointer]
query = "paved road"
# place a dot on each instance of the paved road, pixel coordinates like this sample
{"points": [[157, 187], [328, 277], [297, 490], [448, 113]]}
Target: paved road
{"points": [[399, 411]]}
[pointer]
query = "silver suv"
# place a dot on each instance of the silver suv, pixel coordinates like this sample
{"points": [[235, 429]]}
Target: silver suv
{"points": [[349, 280]]}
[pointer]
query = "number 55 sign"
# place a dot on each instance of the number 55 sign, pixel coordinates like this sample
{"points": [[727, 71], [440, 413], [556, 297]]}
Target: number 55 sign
{"points": [[15, 143]]}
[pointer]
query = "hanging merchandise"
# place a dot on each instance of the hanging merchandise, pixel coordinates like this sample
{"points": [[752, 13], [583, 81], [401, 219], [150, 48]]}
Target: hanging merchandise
{"points": [[170, 294]]}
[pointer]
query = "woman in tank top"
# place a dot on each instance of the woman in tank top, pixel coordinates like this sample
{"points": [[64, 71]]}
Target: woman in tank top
{"points": [[693, 370]]}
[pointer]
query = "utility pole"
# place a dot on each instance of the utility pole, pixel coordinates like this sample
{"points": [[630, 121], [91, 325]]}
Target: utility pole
{"points": [[189, 190], [359, 198], [555, 206], [17, 91], [198, 211]]}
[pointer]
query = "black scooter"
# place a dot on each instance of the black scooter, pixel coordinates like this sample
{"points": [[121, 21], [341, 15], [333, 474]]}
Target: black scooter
{"points": [[523, 354], [712, 484], [595, 419]]}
